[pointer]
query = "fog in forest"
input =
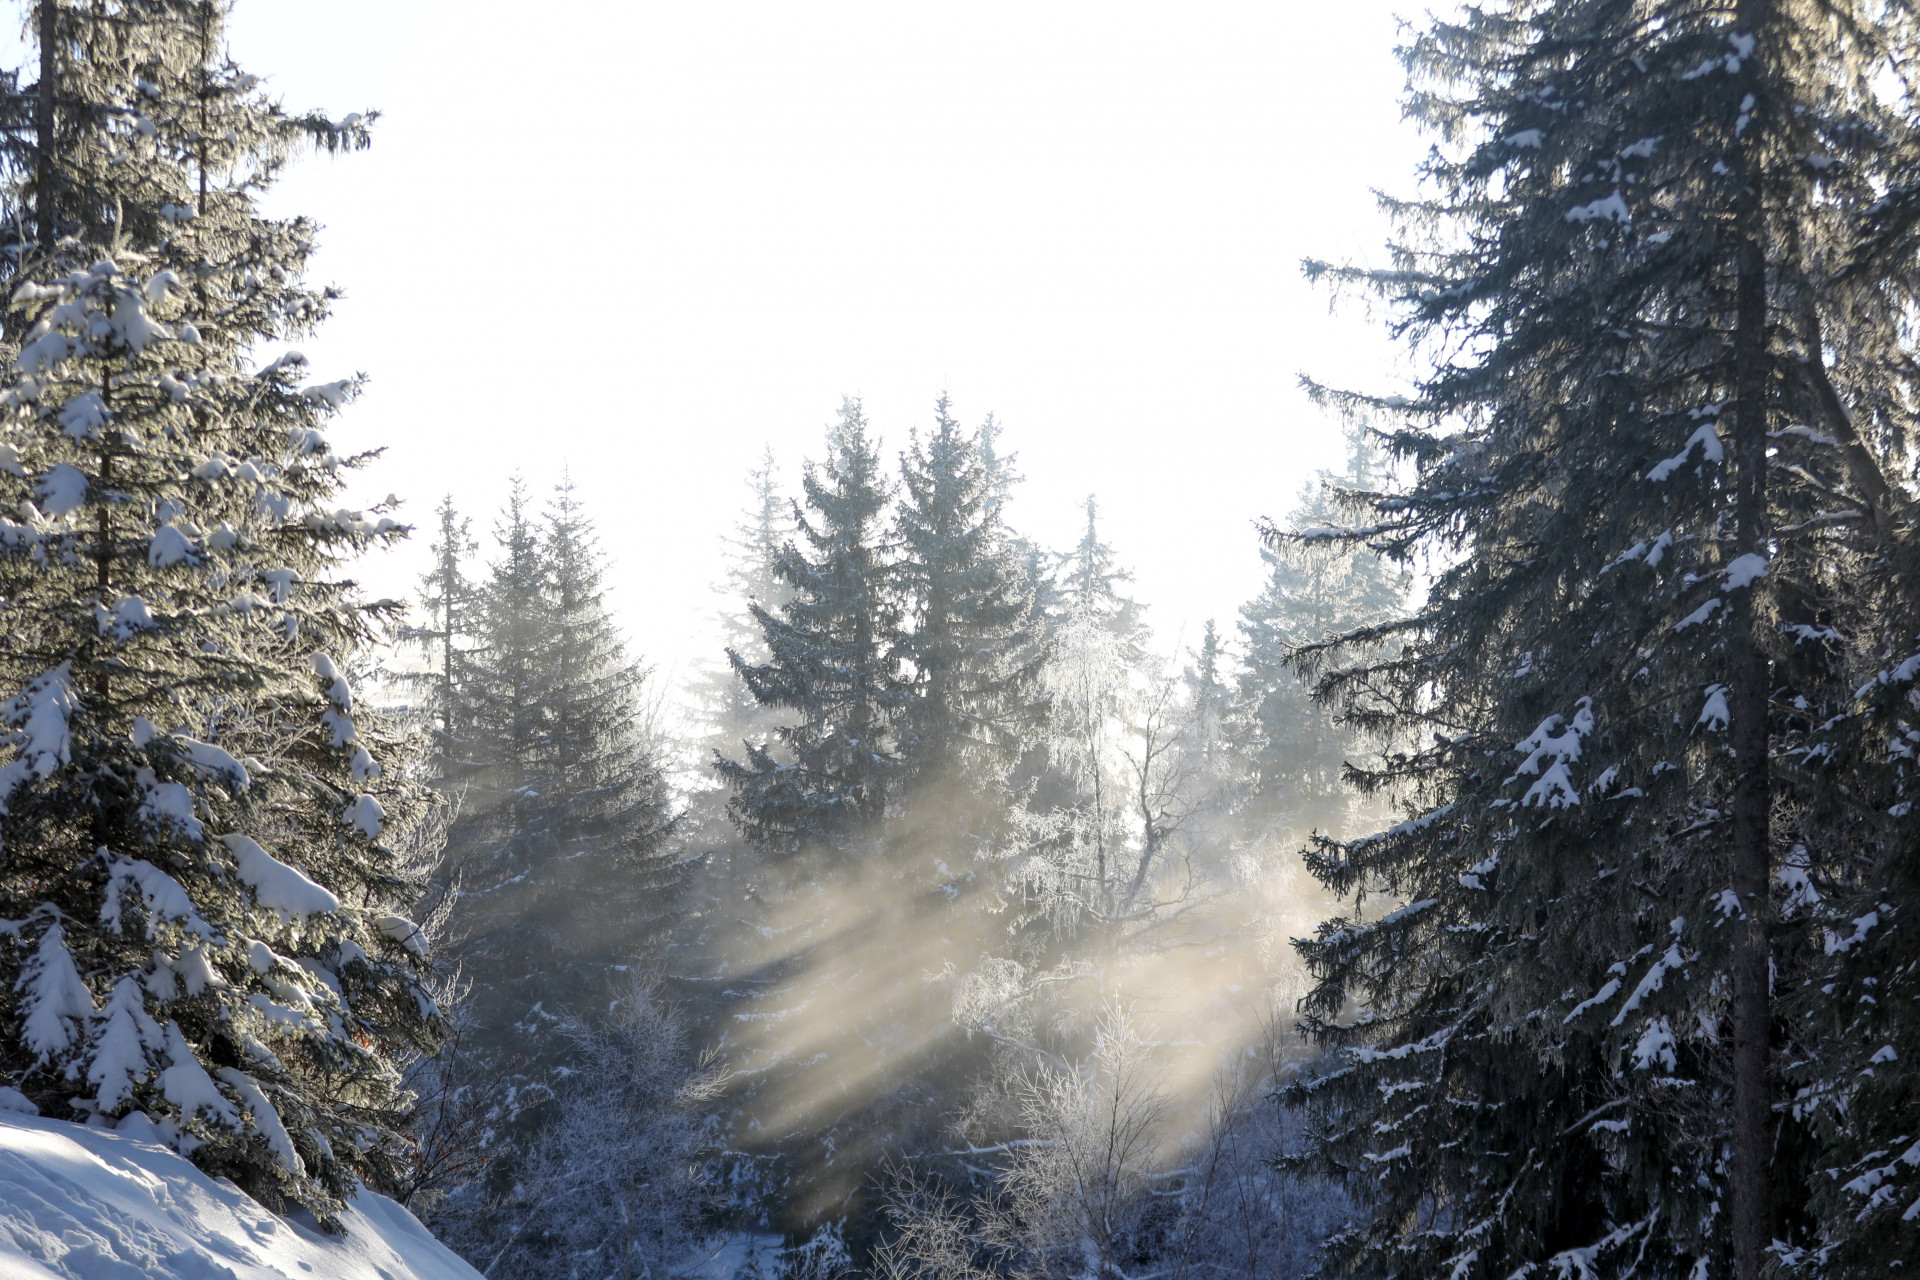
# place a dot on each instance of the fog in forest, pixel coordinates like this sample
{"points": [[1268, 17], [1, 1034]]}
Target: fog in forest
{"points": [[972, 643]]}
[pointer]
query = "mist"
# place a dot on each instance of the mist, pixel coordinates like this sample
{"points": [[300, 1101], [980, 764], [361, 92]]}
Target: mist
{"points": [[944, 868]]}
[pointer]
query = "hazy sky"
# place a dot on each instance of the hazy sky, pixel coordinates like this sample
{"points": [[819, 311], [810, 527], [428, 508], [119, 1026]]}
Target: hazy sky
{"points": [[643, 240]]}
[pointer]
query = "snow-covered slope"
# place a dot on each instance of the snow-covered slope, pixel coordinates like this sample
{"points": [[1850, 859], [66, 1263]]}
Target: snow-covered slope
{"points": [[86, 1204]]}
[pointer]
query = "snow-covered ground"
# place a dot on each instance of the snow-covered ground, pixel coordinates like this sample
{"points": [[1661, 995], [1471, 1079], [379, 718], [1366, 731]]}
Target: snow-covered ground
{"points": [[742, 1253], [86, 1204]]}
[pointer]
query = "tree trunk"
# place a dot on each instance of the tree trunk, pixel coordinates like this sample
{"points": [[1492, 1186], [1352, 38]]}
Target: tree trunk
{"points": [[43, 125], [1749, 685]]}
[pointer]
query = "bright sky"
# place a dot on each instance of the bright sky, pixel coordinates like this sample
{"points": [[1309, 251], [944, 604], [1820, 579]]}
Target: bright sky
{"points": [[643, 239]]}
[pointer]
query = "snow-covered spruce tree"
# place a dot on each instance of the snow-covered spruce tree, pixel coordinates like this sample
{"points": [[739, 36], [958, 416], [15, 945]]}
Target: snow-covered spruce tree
{"points": [[1854, 888], [824, 780], [1298, 748], [1089, 592], [971, 641], [1651, 516], [203, 934], [1072, 794]]}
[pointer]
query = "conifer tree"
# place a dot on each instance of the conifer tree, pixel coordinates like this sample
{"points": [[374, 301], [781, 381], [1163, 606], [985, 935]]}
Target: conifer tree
{"points": [[1086, 855], [970, 642], [609, 807], [504, 825], [722, 700], [1640, 465], [832, 664], [1090, 592], [1095, 668], [448, 600], [554, 852], [953, 686], [1298, 748], [561, 882], [204, 939], [1212, 744]]}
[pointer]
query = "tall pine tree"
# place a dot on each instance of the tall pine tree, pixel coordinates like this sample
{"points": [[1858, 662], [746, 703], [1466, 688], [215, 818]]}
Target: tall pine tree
{"points": [[561, 882], [204, 940], [970, 641], [824, 780], [1637, 465], [722, 703], [609, 807], [556, 853], [448, 600], [1298, 747]]}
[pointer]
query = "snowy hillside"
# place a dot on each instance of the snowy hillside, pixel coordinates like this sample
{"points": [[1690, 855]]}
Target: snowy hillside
{"points": [[92, 1205]]}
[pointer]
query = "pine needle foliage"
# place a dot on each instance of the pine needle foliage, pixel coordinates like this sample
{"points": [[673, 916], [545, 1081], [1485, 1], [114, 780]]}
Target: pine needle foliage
{"points": [[824, 780], [722, 702], [971, 643], [1297, 746], [204, 937], [448, 599], [557, 854], [1654, 467]]}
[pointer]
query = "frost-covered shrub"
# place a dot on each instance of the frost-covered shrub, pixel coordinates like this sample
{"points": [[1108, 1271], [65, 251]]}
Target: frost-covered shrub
{"points": [[1100, 1184], [615, 1186]]}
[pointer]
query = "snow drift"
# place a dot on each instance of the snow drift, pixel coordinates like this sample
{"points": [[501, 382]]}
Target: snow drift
{"points": [[87, 1204]]}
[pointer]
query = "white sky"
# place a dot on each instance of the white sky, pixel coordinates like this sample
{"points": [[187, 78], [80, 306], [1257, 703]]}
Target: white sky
{"points": [[644, 239]]}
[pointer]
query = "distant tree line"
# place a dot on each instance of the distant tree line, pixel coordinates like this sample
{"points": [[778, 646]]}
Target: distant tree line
{"points": [[947, 776], [967, 789]]}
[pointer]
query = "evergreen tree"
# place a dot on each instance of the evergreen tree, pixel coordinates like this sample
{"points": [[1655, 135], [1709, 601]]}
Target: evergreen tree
{"points": [[722, 700], [448, 600], [971, 643], [504, 825], [555, 852], [832, 664], [1607, 713], [1095, 669], [1850, 1018], [1090, 857], [812, 803], [609, 807], [942, 585], [1089, 592], [1298, 745], [1212, 747], [204, 937], [562, 882]]}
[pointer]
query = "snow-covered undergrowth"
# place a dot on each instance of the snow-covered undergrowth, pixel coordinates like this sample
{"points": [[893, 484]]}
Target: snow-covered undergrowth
{"points": [[86, 1204]]}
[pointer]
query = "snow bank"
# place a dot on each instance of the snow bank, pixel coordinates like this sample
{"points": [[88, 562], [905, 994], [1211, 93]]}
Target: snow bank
{"points": [[85, 1204]]}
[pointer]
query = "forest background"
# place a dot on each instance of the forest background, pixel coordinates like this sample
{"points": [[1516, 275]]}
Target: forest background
{"points": [[979, 904]]}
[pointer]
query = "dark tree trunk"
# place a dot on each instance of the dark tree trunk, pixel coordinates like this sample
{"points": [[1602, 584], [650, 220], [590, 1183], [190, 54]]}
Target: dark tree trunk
{"points": [[43, 125], [1749, 684]]}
